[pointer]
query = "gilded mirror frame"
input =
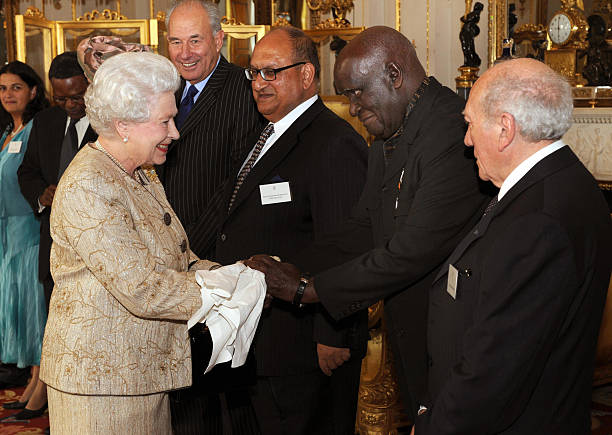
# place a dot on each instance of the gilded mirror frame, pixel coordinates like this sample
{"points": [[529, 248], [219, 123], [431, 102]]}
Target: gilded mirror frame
{"points": [[497, 27]]}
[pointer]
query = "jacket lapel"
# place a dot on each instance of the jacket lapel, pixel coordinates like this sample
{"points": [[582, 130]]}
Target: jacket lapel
{"points": [[90, 136], [53, 148], [543, 169], [207, 97], [410, 131], [276, 153]]}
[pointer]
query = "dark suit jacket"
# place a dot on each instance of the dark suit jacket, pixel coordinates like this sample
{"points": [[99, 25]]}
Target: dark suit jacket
{"points": [[514, 352], [412, 229], [213, 138], [40, 168], [324, 161]]}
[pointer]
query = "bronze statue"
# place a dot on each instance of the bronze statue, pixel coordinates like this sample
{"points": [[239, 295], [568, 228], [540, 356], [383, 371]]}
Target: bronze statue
{"points": [[598, 71], [468, 32]]}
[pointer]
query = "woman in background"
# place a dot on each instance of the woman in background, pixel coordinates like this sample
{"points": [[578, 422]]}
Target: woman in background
{"points": [[22, 304]]}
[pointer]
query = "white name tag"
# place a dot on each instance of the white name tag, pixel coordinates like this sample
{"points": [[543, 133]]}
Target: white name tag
{"points": [[14, 147], [453, 277], [275, 193]]}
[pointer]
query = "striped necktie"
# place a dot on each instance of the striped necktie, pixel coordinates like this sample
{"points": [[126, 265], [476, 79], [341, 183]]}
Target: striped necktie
{"points": [[263, 137]]}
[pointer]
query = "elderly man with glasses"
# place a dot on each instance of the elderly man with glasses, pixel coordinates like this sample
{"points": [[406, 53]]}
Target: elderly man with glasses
{"points": [[298, 183]]}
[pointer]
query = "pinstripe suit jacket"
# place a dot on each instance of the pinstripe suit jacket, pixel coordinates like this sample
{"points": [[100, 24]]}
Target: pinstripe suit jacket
{"points": [[213, 139]]}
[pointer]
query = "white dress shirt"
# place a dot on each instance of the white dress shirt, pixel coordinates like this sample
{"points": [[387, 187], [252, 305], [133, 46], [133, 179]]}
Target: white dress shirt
{"points": [[81, 127], [280, 127], [521, 170]]}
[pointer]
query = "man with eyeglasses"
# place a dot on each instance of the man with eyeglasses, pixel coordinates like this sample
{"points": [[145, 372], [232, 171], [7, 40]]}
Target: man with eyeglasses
{"points": [[57, 134], [305, 171]]}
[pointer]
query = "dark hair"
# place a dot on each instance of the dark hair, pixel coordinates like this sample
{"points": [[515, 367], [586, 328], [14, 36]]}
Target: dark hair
{"points": [[304, 48], [38, 103], [65, 65]]}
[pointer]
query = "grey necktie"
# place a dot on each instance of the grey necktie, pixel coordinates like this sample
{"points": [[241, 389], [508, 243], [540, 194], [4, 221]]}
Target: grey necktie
{"points": [[69, 147], [263, 137]]}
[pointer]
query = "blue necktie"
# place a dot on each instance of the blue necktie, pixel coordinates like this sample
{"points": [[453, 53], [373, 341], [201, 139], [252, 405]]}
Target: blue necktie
{"points": [[185, 107]]}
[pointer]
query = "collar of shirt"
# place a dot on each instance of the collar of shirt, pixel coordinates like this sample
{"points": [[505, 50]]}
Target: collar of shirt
{"points": [[521, 170], [81, 127], [282, 126], [200, 85]]}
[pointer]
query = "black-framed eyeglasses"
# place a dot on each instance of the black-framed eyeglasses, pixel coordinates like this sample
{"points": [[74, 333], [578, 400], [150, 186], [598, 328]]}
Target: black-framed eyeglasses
{"points": [[76, 99], [268, 74]]}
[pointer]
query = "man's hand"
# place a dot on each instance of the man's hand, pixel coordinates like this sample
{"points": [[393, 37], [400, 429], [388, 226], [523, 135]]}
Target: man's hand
{"points": [[47, 196], [282, 279], [331, 358], [268, 301]]}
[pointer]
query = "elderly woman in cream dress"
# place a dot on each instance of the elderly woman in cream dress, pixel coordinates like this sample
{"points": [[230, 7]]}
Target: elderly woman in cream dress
{"points": [[116, 339]]}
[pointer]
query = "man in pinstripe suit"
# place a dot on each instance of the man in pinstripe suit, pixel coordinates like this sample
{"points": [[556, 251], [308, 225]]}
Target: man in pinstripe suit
{"points": [[216, 115]]}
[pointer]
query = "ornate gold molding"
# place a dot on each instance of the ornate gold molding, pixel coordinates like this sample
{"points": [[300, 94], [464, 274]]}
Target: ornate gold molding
{"points": [[34, 12], [231, 21], [318, 7], [334, 23], [281, 21], [398, 19], [497, 27], [379, 409], [106, 14]]}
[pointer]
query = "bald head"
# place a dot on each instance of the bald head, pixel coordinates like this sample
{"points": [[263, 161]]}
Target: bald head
{"points": [[537, 97], [379, 72]]}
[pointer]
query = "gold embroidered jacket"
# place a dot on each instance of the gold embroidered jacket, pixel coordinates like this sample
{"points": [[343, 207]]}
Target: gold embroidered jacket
{"points": [[117, 317]]}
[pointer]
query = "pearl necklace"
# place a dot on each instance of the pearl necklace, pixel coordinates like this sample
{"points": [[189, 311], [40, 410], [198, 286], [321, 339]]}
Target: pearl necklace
{"points": [[13, 133], [142, 180], [99, 147]]}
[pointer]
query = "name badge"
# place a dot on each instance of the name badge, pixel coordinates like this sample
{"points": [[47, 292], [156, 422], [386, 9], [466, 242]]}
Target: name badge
{"points": [[275, 193], [14, 147], [451, 285]]}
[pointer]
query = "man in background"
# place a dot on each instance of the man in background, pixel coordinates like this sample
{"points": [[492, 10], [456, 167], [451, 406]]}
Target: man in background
{"points": [[216, 114], [57, 134], [305, 172], [514, 312]]}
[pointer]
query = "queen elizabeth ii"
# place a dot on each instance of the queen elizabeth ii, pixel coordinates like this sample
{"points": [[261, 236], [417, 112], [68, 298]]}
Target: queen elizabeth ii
{"points": [[116, 339]]}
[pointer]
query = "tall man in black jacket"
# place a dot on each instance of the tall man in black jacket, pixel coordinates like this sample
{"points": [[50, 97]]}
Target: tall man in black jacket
{"points": [[420, 197], [296, 186]]}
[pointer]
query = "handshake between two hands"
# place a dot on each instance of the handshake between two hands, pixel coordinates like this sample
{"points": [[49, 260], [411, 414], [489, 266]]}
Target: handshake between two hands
{"points": [[282, 280]]}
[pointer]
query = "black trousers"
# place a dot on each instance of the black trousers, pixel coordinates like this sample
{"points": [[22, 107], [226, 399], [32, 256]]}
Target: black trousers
{"points": [[309, 403], [218, 403]]}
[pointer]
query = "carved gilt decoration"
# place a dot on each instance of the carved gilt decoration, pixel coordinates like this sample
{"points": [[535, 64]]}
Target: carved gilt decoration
{"points": [[379, 408], [106, 14], [34, 12]]}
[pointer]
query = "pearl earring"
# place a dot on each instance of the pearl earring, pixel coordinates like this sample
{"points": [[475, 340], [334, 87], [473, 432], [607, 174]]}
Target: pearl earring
{"points": [[125, 139]]}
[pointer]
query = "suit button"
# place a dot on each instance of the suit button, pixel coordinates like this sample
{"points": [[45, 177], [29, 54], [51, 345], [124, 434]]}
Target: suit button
{"points": [[385, 189], [184, 245], [167, 218], [429, 360], [223, 237]]}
